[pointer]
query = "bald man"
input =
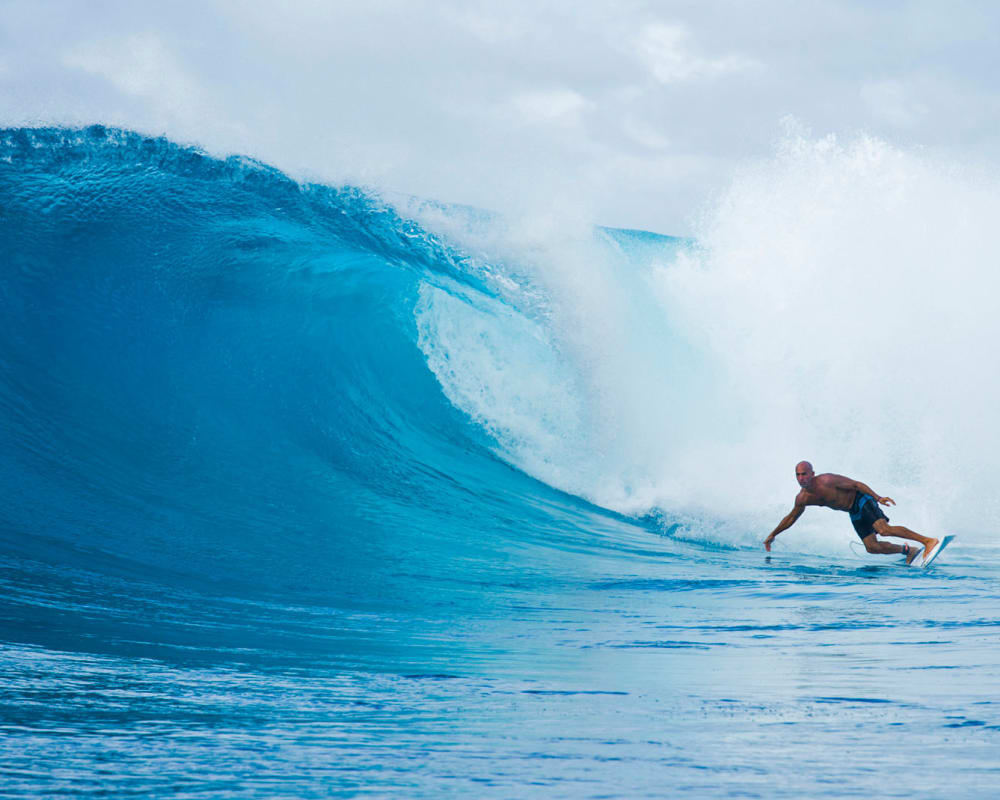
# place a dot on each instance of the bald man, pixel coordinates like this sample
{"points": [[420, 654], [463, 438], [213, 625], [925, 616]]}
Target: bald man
{"points": [[858, 500]]}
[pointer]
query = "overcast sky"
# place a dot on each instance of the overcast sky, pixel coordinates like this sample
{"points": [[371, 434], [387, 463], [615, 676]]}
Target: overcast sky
{"points": [[632, 113]]}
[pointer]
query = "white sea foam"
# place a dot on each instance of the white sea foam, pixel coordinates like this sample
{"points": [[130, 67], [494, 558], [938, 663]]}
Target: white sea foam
{"points": [[840, 306]]}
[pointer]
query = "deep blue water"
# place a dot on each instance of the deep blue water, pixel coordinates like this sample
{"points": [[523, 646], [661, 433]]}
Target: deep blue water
{"points": [[249, 547]]}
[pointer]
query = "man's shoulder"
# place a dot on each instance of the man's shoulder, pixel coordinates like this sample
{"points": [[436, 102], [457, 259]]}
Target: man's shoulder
{"points": [[833, 479], [805, 498]]}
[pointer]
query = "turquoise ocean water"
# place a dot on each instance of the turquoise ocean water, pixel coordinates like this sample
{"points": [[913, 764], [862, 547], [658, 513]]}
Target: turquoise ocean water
{"points": [[310, 493]]}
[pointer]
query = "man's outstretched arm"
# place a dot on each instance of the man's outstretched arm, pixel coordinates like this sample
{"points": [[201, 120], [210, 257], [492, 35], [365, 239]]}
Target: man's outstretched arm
{"points": [[784, 525]]}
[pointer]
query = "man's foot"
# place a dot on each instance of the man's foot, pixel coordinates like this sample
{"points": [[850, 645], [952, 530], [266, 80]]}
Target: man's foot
{"points": [[916, 551], [921, 552]]}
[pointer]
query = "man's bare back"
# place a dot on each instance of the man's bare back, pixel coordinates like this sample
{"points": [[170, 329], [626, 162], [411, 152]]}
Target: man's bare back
{"points": [[861, 502]]}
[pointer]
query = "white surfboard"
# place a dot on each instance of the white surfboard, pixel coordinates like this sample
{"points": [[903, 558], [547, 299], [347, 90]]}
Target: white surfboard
{"points": [[927, 560]]}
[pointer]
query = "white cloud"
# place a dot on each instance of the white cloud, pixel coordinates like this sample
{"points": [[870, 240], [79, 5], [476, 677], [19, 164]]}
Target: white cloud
{"points": [[668, 52], [141, 65], [892, 101], [494, 29], [477, 102], [644, 134], [556, 106]]}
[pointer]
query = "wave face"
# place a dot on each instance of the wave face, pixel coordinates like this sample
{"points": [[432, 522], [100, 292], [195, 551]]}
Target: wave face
{"points": [[216, 379]]}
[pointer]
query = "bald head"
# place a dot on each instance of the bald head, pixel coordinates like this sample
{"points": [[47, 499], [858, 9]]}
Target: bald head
{"points": [[804, 473]]}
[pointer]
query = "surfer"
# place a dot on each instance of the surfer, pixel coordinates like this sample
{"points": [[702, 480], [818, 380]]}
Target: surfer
{"points": [[858, 500]]}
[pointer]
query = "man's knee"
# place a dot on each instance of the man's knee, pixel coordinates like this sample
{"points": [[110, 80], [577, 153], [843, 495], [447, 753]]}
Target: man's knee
{"points": [[872, 544]]}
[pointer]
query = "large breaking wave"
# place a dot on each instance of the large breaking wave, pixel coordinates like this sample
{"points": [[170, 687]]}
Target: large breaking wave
{"points": [[213, 375], [214, 379]]}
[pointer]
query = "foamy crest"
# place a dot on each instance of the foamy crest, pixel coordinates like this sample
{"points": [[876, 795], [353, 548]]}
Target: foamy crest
{"points": [[848, 294], [840, 306]]}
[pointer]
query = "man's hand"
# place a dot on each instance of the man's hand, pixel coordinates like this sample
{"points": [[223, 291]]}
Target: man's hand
{"points": [[767, 542], [887, 501]]}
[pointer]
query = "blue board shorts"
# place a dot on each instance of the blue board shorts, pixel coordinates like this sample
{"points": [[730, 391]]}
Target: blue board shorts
{"points": [[864, 513]]}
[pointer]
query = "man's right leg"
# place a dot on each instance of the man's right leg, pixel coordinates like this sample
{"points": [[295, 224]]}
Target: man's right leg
{"points": [[883, 528], [875, 545]]}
